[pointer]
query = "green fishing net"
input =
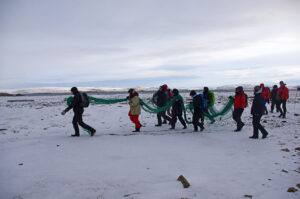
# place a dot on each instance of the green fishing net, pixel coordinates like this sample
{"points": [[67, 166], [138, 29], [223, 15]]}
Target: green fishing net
{"points": [[211, 115]]}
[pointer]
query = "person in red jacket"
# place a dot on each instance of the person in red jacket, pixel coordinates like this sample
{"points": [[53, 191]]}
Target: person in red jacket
{"points": [[239, 105], [282, 96], [266, 96]]}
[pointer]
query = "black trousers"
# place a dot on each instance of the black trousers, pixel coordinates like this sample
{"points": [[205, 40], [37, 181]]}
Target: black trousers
{"points": [[174, 119], [257, 126], [77, 119], [273, 104], [283, 102], [236, 115], [196, 123], [162, 115]]}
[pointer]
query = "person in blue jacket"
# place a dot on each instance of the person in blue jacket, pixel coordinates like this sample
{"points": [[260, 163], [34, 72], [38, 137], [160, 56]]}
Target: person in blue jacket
{"points": [[198, 102]]}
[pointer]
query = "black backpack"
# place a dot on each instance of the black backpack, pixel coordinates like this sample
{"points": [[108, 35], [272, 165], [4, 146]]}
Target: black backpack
{"points": [[85, 102]]}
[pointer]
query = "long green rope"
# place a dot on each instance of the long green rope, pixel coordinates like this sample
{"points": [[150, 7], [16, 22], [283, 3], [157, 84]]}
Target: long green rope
{"points": [[94, 100], [146, 107], [211, 115], [212, 111]]}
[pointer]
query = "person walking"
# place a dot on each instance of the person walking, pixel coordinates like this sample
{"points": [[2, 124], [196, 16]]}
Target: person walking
{"points": [[169, 97], [266, 96], [239, 106], [161, 102], [135, 109], [282, 97], [257, 111], [273, 98], [78, 110], [209, 98], [198, 103], [177, 109]]}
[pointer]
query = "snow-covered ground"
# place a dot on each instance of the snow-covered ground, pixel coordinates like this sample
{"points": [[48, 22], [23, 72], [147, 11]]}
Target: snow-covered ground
{"points": [[39, 159]]}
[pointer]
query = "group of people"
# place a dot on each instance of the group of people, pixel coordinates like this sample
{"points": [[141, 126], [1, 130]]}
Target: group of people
{"points": [[201, 102], [262, 96]]}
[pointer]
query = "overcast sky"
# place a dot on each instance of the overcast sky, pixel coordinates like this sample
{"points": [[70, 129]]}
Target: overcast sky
{"points": [[122, 43]]}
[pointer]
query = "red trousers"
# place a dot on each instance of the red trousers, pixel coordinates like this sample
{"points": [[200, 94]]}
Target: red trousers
{"points": [[135, 120]]}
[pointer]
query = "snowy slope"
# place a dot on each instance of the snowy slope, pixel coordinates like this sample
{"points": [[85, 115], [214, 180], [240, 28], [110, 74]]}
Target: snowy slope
{"points": [[39, 159]]}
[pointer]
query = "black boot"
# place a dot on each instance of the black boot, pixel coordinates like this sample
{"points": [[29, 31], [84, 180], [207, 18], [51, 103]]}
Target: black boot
{"points": [[239, 127], [264, 135], [253, 137], [137, 129], [75, 135], [93, 132]]}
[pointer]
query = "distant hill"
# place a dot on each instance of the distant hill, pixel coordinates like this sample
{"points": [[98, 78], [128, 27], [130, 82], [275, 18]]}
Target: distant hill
{"points": [[232, 87], [104, 90], [5, 94], [9, 95]]}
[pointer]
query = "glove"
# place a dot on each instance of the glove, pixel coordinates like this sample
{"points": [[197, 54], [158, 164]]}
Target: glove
{"points": [[127, 97], [63, 113]]}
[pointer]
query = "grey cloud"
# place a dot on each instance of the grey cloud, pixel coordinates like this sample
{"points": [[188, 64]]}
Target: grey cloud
{"points": [[40, 38]]}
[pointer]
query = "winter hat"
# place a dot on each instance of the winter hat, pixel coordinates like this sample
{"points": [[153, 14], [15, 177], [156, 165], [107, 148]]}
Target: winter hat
{"points": [[281, 82], [130, 90], [166, 87], [257, 90], [74, 89], [175, 91], [275, 86], [262, 85], [205, 89], [239, 89], [192, 93]]}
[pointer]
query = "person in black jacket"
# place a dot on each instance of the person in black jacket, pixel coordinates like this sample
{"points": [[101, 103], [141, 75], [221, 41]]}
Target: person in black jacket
{"points": [[177, 109], [207, 96], [161, 102], [273, 98], [198, 111], [257, 111], [78, 111]]}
